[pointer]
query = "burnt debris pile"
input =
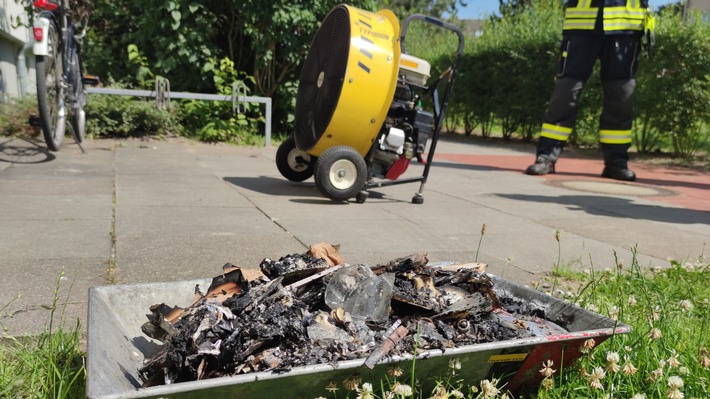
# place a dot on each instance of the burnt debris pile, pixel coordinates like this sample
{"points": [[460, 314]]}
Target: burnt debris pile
{"points": [[315, 309]]}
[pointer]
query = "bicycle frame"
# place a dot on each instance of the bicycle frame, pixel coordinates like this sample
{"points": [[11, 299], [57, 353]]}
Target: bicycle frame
{"points": [[51, 12], [52, 22]]}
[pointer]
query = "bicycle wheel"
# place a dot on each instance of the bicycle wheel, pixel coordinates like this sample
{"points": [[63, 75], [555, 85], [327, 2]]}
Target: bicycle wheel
{"points": [[78, 120], [51, 92]]}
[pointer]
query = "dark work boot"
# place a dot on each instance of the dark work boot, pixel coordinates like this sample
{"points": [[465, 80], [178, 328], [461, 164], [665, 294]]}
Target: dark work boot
{"points": [[548, 151], [616, 157], [542, 166]]}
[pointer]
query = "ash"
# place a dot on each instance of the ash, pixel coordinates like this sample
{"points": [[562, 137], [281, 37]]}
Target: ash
{"points": [[304, 310]]}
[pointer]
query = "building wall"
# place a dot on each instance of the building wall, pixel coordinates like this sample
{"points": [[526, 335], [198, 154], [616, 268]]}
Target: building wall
{"points": [[13, 40], [702, 5]]}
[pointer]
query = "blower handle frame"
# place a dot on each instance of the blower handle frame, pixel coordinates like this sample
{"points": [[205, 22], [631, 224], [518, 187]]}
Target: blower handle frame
{"points": [[439, 106]]}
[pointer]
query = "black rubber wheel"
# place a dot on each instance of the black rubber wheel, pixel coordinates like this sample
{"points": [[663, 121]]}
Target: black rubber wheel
{"points": [[294, 164], [50, 91], [78, 120], [417, 199], [341, 173]]}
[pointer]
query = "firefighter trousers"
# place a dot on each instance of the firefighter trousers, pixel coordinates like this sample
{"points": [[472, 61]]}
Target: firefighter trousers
{"points": [[618, 56]]}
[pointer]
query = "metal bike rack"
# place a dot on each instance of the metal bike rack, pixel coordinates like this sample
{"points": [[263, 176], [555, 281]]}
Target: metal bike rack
{"points": [[162, 95]]}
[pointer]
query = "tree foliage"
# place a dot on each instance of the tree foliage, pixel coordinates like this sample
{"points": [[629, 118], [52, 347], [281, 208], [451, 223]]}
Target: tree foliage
{"points": [[507, 73], [433, 8], [505, 78]]}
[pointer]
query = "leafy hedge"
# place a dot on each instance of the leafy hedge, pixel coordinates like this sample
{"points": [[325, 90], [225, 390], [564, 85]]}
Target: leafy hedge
{"points": [[506, 79]]}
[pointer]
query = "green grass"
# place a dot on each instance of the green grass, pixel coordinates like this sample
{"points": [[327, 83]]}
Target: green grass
{"points": [[50, 365], [669, 311]]}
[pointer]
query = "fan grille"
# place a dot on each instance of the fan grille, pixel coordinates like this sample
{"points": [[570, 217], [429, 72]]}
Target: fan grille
{"points": [[322, 78]]}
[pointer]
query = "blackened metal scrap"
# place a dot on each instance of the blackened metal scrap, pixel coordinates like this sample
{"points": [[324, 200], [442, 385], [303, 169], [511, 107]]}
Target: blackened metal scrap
{"points": [[402, 264], [393, 336], [282, 321], [253, 297], [416, 287], [470, 304], [300, 283], [291, 264]]}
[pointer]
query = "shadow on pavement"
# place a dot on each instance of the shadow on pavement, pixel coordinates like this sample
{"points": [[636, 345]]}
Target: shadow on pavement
{"points": [[618, 207], [273, 186], [24, 151]]}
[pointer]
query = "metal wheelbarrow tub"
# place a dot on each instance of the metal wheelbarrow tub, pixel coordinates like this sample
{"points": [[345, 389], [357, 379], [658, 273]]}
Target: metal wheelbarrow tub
{"points": [[117, 348]]}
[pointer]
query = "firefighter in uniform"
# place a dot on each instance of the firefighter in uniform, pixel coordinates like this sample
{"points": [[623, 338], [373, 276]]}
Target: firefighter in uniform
{"points": [[611, 31]]}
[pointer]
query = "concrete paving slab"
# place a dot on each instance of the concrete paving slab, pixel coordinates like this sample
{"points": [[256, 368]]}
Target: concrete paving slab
{"points": [[55, 239], [27, 292], [193, 220], [152, 258], [20, 207], [175, 190]]}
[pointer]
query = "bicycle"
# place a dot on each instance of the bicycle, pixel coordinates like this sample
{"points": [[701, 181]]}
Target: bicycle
{"points": [[60, 73]]}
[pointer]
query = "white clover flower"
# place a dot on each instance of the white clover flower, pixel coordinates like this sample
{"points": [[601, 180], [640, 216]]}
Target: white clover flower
{"points": [[656, 314], [673, 361], [394, 371], [455, 364], [704, 359], [547, 370], [403, 390], [686, 305], [629, 369], [632, 300], [675, 382], [489, 388], [351, 383], [639, 396], [655, 375], [654, 334], [588, 345], [614, 313], [612, 361], [595, 378], [674, 394], [457, 394]]}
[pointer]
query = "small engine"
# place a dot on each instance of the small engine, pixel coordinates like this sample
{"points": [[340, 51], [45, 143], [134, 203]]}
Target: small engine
{"points": [[407, 127]]}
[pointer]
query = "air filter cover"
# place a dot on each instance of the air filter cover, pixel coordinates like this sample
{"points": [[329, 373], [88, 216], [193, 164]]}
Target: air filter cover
{"points": [[348, 80]]}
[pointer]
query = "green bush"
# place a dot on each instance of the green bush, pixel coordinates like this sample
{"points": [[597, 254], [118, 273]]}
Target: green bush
{"points": [[674, 87], [108, 115], [507, 74], [15, 115]]}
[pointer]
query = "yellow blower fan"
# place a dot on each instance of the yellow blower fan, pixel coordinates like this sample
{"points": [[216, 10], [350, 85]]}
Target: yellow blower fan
{"points": [[358, 114]]}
